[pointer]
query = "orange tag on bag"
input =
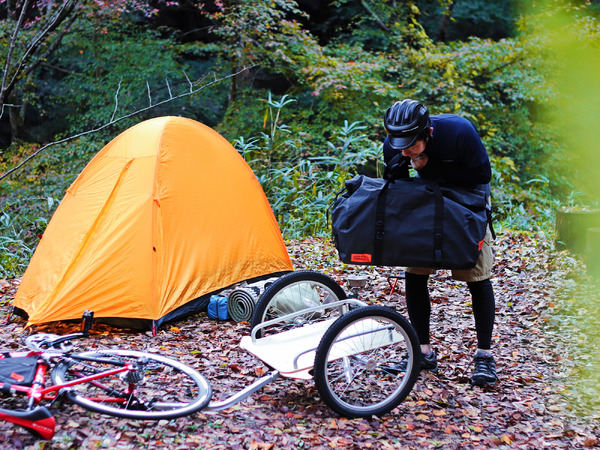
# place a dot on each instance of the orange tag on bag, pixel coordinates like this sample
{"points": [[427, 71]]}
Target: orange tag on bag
{"points": [[361, 257], [17, 377], [481, 244]]}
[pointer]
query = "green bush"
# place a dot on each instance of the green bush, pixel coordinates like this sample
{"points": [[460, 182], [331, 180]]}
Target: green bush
{"points": [[14, 253], [300, 187]]}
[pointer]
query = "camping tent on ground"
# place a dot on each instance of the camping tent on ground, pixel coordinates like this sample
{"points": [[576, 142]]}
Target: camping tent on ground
{"points": [[162, 217]]}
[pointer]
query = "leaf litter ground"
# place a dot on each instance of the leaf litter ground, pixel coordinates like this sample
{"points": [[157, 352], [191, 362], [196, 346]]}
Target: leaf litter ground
{"points": [[543, 398]]}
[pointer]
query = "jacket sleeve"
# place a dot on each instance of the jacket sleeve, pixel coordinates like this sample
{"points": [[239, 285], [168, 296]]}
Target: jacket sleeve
{"points": [[395, 168]]}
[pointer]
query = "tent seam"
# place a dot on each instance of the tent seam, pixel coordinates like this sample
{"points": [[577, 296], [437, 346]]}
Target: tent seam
{"points": [[153, 224], [89, 234]]}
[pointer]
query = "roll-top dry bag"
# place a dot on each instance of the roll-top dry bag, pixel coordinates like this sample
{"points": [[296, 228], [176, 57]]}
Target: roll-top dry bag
{"points": [[409, 222]]}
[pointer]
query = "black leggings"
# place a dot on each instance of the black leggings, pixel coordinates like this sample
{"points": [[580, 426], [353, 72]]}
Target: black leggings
{"points": [[419, 308]]}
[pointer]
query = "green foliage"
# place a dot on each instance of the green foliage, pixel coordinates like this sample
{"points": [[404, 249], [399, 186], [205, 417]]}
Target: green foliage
{"points": [[468, 18], [301, 188], [251, 29], [285, 114], [381, 26], [345, 160], [104, 84], [272, 145], [29, 199], [109, 65], [14, 253], [569, 36], [519, 205]]}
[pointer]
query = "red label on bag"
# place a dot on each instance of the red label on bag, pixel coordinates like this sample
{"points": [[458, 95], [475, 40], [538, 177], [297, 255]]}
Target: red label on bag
{"points": [[360, 257], [481, 244], [17, 377]]}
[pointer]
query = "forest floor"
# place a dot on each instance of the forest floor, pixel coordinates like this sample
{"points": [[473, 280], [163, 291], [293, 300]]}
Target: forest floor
{"points": [[536, 404]]}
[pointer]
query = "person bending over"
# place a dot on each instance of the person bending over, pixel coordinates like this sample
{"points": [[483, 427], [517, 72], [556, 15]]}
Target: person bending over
{"points": [[445, 148]]}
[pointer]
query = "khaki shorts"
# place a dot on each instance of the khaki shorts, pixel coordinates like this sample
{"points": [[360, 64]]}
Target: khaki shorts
{"points": [[481, 271]]}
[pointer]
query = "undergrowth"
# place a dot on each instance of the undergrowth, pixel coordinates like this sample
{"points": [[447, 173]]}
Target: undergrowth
{"points": [[300, 186]]}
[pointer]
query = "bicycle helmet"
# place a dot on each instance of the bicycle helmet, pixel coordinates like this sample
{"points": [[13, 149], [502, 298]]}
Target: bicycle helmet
{"points": [[404, 122]]}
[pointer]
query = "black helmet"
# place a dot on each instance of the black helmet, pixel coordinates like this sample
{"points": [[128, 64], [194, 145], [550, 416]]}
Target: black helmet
{"points": [[405, 121]]}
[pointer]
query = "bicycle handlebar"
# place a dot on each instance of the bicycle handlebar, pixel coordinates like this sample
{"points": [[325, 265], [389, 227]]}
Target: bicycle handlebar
{"points": [[86, 321], [86, 325]]}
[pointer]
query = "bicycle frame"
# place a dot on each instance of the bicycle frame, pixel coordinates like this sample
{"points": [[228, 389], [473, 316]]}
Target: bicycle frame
{"points": [[39, 418]]}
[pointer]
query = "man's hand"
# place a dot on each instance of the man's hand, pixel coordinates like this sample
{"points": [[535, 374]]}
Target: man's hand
{"points": [[418, 162]]}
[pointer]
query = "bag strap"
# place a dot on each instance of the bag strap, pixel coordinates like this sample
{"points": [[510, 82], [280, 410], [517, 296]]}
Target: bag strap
{"points": [[438, 223], [380, 222], [391, 169], [488, 211]]}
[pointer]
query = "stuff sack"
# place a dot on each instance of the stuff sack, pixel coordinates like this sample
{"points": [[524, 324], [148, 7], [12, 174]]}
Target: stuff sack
{"points": [[19, 371], [217, 308], [409, 222]]}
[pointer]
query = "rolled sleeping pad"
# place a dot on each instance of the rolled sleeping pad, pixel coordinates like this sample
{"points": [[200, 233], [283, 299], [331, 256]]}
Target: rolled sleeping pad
{"points": [[242, 300]]}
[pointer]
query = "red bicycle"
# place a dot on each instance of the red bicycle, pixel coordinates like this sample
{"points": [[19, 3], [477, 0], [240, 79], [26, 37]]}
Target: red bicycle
{"points": [[121, 383]]}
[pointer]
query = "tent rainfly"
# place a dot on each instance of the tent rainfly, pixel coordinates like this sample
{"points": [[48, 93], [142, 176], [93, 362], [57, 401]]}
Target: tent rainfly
{"points": [[162, 217]]}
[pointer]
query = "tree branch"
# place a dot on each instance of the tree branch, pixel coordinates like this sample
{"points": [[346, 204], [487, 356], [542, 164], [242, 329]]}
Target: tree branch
{"points": [[112, 117], [52, 47], [17, 72], [379, 22], [126, 116], [11, 48]]}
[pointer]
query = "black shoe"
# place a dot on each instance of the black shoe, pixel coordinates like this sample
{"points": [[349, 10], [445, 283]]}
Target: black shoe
{"points": [[485, 371], [428, 362]]}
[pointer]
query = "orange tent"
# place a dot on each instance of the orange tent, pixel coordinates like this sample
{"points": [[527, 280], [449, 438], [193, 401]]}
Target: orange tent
{"points": [[163, 216]]}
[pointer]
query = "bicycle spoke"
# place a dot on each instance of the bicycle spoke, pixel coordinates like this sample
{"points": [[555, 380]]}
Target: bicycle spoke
{"points": [[151, 387]]}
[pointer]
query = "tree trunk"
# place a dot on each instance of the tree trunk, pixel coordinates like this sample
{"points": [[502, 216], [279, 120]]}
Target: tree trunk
{"points": [[233, 86], [572, 226], [446, 18], [16, 115]]}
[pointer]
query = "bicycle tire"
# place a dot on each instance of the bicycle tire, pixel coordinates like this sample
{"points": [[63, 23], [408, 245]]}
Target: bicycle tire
{"points": [[356, 370], [159, 388], [293, 292]]}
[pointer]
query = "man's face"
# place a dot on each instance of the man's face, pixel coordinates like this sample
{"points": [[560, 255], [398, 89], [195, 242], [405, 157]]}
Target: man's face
{"points": [[415, 151]]}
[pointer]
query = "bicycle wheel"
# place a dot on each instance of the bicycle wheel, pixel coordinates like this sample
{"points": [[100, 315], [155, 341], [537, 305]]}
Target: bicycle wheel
{"points": [[294, 292], [357, 370], [157, 387]]}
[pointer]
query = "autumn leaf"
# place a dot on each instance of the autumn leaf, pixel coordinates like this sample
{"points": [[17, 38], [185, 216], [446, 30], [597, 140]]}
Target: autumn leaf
{"points": [[506, 439], [260, 445]]}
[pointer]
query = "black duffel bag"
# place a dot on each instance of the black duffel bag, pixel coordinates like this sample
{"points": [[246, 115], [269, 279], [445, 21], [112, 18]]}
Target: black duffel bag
{"points": [[409, 222]]}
